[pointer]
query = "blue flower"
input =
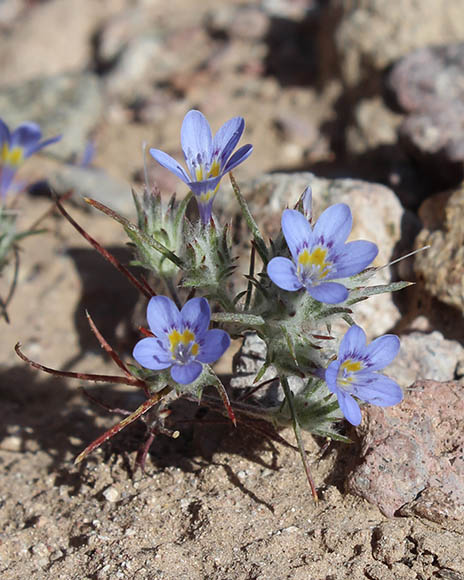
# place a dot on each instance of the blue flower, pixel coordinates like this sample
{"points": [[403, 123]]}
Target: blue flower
{"points": [[17, 146], [354, 373], [182, 341], [320, 254], [208, 159]]}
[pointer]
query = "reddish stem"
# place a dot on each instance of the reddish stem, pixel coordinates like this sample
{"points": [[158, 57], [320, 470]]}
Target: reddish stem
{"points": [[83, 376], [109, 257], [107, 347], [144, 407]]}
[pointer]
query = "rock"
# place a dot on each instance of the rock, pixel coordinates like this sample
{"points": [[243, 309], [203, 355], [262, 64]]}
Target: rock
{"points": [[297, 130], [372, 142], [9, 11], [435, 140], [246, 364], [426, 356], [111, 494], [247, 22], [142, 49], [427, 76], [69, 104], [93, 183], [375, 126], [42, 43], [441, 267], [294, 10], [429, 85], [389, 542], [371, 34], [435, 505], [377, 216], [412, 447]]}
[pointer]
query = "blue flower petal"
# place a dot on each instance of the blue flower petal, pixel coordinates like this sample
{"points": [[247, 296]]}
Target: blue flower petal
{"points": [[355, 257], [238, 157], [328, 292], [195, 315], [353, 344], [38, 146], [377, 389], [205, 210], [282, 272], [214, 345], [196, 140], [170, 163], [185, 374], [382, 351], [331, 374], [204, 192], [26, 135], [5, 136], [162, 316], [7, 174], [201, 188], [349, 408], [296, 230], [150, 353], [334, 224], [226, 139]]}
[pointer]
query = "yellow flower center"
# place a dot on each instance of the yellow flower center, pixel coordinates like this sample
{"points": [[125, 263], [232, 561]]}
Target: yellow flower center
{"points": [[315, 259], [13, 156], [183, 345], [347, 370], [214, 171]]}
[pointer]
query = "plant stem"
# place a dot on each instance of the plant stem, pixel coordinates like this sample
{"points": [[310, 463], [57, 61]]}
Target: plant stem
{"points": [[238, 318], [253, 226], [299, 439]]}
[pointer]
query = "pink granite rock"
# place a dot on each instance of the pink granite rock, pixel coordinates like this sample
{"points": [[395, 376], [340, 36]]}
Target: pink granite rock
{"points": [[412, 448]]}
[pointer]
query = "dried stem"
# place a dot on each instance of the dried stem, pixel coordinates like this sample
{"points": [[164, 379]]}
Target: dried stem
{"points": [[132, 381], [107, 347], [144, 407], [5, 303], [101, 250]]}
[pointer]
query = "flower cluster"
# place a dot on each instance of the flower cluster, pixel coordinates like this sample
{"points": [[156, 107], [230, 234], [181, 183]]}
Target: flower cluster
{"points": [[16, 147], [321, 259], [321, 274]]}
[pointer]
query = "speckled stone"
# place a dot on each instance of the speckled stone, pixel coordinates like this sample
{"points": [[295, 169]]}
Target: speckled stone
{"points": [[442, 265], [412, 447]]}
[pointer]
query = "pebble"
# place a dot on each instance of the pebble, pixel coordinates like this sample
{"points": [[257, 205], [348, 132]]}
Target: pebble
{"points": [[12, 443], [111, 494]]}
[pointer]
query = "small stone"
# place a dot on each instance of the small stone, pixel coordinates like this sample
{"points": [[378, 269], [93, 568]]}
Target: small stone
{"points": [[111, 494], [291, 529], [388, 542], [42, 552], [12, 443]]}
